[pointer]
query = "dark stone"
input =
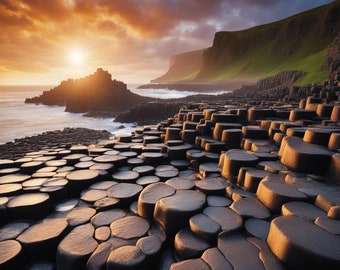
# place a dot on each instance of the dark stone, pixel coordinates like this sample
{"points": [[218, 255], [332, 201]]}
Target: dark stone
{"points": [[29, 206], [105, 218], [41, 239], [301, 244], [126, 257], [188, 245], [76, 248], [10, 254], [97, 260], [150, 195], [80, 215], [129, 227]]}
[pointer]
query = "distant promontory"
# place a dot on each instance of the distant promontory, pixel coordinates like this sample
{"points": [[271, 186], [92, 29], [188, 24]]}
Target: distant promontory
{"points": [[94, 93]]}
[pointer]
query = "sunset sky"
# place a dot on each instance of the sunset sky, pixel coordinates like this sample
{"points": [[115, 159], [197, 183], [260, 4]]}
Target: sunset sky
{"points": [[46, 41]]}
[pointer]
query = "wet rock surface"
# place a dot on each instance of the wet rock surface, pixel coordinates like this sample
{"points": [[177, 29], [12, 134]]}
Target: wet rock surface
{"points": [[160, 199]]}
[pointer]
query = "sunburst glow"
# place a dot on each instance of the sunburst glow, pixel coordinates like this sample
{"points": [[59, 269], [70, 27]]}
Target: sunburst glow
{"points": [[77, 57]]}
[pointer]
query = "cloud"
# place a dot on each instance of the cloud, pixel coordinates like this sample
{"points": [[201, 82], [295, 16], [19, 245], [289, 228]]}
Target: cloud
{"points": [[128, 36]]}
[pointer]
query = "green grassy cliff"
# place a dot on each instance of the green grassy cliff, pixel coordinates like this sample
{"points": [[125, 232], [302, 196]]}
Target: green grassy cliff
{"points": [[299, 42]]}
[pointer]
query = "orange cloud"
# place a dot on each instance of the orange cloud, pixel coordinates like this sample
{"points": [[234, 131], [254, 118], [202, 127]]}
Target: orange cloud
{"points": [[128, 37]]}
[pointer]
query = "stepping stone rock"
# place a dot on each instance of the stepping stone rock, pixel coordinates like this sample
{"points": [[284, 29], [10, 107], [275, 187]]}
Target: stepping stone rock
{"points": [[190, 264], [300, 244], [250, 208], [151, 158], [232, 245], [272, 166], [99, 257], [126, 192], [273, 194], [212, 186], [117, 160], [180, 183], [204, 227], [188, 245], [235, 159], [129, 227], [105, 218], [92, 195], [180, 207], [12, 230], [147, 180], [317, 136], [103, 185], [232, 138], [304, 157], [102, 234], [302, 209], [253, 178], [144, 170], [106, 203], [10, 254], [76, 248], [125, 176], [10, 189], [178, 152], [225, 217], [167, 174], [81, 179], [216, 260], [29, 206], [126, 257], [329, 224], [31, 167], [266, 256], [150, 195], [80, 215], [41, 239], [218, 201], [150, 245], [257, 227], [14, 178], [206, 169]]}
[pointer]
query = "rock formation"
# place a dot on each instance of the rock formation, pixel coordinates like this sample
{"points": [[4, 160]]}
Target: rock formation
{"points": [[96, 92]]}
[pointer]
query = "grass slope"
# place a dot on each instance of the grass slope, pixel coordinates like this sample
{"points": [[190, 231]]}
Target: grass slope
{"points": [[296, 43]]}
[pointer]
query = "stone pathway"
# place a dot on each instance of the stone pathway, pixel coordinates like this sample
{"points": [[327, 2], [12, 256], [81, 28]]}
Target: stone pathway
{"points": [[200, 190]]}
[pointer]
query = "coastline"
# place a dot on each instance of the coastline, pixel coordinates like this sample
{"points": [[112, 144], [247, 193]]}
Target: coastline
{"points": [[66, 137]]}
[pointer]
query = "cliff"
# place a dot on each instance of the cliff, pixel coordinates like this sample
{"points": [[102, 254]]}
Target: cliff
{"points": [[184, 66], [300, 42], [94, 93]]}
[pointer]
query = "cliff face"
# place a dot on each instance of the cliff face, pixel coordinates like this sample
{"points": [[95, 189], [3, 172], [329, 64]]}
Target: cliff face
{"points": [[298, 42], [332, 61], [273, 44], [184, 66], [96, 92]]}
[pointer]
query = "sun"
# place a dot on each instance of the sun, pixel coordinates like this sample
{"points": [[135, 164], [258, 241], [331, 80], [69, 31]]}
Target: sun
{"points": [[76, 57]]}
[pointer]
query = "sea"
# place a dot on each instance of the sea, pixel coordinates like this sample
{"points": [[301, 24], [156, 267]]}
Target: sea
{"points": [[19, 119]]}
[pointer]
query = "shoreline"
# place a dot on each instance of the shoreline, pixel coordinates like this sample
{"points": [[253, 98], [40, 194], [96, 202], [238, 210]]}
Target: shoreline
{"points": [[68, 136], [198, 87]]}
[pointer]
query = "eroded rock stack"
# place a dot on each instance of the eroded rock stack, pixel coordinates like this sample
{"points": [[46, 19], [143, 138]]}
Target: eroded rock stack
{"points": [[214, 187]]}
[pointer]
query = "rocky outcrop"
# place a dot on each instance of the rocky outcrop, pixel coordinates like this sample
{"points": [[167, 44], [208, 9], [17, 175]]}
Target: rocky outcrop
{"points": [[96, 92], [271, 88], [148, 113]]}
